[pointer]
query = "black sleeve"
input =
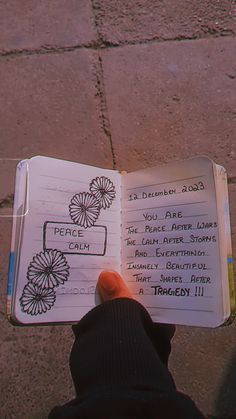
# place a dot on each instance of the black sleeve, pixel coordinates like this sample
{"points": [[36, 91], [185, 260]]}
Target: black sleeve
{"points": [[119, 359]]}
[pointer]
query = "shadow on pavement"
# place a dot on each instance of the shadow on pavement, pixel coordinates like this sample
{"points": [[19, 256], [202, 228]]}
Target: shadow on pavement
{"points": [[225, 406]]}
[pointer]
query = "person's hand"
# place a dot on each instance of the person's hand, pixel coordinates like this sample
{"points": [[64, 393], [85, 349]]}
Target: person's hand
{"points": [[111, 285]]}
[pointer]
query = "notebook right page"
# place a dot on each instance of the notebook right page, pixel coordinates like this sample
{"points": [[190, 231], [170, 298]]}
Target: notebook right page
{"points": [[170, 242]]}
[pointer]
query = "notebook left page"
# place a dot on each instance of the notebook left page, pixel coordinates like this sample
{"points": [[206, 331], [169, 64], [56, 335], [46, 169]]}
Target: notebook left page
{"points": [[71, 233]]}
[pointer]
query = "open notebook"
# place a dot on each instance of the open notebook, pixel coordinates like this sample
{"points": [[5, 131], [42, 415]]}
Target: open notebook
{"points": [[165, 229]]}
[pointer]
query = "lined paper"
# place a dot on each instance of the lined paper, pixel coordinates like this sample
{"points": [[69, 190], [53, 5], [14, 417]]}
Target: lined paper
{"points": [[87, 250], [170, 241]]}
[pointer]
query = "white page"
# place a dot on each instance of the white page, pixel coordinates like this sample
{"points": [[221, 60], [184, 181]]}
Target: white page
{"points": [[82, 251], [170, 242]]}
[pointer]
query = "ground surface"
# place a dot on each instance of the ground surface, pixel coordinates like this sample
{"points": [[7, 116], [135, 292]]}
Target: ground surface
{"points": [[123, 84]]}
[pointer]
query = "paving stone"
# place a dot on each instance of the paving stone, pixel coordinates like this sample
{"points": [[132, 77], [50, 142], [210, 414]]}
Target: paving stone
{"points": [[34, 366], [52, 107], [121, 21], [203, 363], [36, 24], [171, 101]]}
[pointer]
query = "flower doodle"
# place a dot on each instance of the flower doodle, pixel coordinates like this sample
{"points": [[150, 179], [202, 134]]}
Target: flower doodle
{"points": [[48, 269], [36, 300], [104, 190], [84, 209]]}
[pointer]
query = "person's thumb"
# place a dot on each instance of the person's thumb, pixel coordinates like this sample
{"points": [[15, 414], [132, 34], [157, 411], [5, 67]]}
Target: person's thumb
{"points": [[111, 285]]}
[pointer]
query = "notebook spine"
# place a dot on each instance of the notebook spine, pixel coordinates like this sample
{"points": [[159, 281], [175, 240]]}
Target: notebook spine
{"points": [[123, 173]]}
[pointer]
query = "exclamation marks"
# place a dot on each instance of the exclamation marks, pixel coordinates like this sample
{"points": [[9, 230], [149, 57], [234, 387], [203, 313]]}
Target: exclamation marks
{"points": [[199, 291]]}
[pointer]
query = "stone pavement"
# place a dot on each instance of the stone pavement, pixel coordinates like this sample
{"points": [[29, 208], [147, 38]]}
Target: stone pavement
{"points": [[119, 84]]}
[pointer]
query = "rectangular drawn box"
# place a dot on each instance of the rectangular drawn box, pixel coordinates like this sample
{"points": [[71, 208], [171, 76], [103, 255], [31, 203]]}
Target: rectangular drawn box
{"points": [[75, 240]]}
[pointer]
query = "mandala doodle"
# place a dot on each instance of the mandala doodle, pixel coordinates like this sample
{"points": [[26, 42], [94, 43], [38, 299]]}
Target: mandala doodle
{"points": [[36, 300], [48, 269], [84, 209], [104, 190]]}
